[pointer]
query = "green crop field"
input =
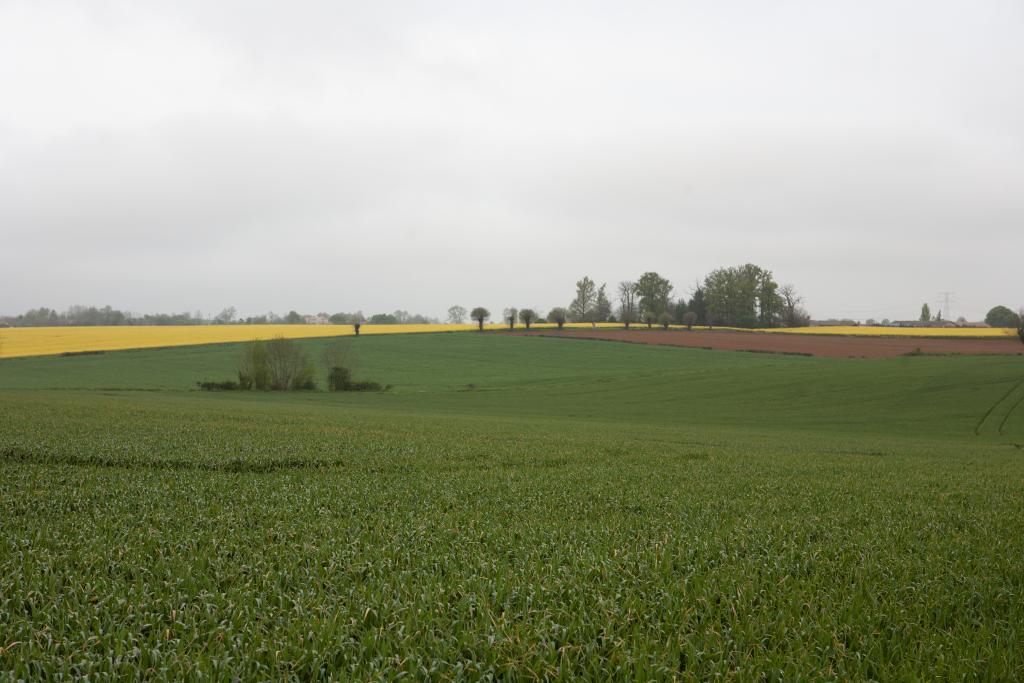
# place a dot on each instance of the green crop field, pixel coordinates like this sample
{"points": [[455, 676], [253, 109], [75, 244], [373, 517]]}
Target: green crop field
{"points": [[514, 508]]}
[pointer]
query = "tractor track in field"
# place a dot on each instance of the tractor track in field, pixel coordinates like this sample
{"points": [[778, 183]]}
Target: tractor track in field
{"points": [[1020, 399], [1010, 400]]}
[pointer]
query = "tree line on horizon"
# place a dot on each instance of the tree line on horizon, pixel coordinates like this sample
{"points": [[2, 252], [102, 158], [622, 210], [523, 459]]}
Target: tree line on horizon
{"points": [[738, 296], [94, 316]]}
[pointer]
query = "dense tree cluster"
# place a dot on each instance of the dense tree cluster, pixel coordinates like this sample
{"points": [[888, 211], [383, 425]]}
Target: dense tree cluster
{"points": [[741, 296]]}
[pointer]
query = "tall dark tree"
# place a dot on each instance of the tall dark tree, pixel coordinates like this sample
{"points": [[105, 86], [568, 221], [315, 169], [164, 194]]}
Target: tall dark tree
{"points": [[679, 311], [926, 313], [699, 306], [602, 307]]}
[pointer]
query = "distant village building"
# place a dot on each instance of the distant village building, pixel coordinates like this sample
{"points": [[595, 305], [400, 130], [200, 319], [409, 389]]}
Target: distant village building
{"points": [[923, 323], [320, 319]]}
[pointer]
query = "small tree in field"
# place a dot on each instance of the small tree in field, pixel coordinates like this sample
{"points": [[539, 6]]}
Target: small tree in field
{"points": [[558, 316], [649, 317], [527, 316], [689, 319], [665, 319], [480, 314]]}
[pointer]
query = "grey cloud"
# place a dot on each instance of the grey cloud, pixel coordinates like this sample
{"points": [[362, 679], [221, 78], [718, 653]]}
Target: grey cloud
{"points": [[334, 156]]}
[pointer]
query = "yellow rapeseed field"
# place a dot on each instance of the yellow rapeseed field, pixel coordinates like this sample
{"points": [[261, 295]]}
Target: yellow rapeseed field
{"points": [[17, 342], [866, 331]]}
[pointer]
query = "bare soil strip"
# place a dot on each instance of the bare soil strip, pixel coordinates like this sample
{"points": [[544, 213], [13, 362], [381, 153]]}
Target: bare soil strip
{"points": [[812, 345]]}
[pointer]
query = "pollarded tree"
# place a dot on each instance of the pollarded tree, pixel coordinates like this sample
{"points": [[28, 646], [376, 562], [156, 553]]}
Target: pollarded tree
{"points": [[649, 317], [665, 319], [558, 316], [527, 316], [480, 315], [509, 315], [689, 318]]}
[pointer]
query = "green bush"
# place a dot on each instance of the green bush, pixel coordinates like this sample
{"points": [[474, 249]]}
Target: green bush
{"points": [[339, 378], [227, 385]]}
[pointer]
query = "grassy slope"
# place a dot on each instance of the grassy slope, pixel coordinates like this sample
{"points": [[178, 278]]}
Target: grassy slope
{"points": [[590, 509], [602, 381]]}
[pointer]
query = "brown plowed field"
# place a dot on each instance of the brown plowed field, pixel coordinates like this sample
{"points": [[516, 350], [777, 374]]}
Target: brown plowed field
{"points": [[814, 345]]}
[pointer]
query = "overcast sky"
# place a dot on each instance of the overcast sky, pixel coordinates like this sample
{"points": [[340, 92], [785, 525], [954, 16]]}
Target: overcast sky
{"points": [[333, 156]]}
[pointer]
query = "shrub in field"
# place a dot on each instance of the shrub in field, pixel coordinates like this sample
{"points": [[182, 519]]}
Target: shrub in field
{"points": [[340, 373], [340, 379], [255, 371], [228, 385], [276, 365]]}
